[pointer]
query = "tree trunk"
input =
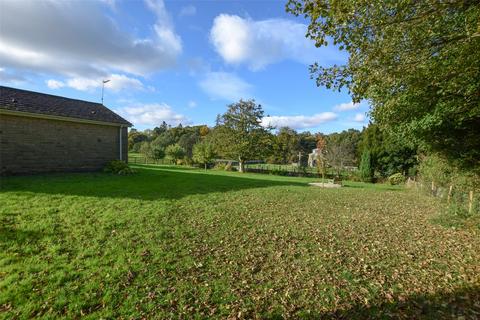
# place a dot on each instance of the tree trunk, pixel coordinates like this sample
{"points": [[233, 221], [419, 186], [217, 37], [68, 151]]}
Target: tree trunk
{"points": [[241, 165], [205, 166]]}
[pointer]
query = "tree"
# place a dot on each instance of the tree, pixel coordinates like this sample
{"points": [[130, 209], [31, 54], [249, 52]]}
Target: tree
{"points": [[337, 155], [415, 61], [175, 152], [203, 152], [151, 150], [164, 127], [157, 151], [239, 132], [366, 169], [164, 139], [135, 137], [204, 130], [188, 140], [145, 149], [389, 153], [307, 142], [285, 146], [342, 148]]}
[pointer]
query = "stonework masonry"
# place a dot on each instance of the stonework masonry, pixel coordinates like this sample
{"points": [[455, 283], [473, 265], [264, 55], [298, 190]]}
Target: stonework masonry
{"points": [[33, 145]]}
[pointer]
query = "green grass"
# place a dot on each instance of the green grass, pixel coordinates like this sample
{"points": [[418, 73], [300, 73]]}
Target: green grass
{"points": [[174, 242]]}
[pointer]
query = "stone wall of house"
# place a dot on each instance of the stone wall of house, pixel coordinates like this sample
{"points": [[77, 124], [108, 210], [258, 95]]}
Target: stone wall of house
{"points": [[33, 145]]}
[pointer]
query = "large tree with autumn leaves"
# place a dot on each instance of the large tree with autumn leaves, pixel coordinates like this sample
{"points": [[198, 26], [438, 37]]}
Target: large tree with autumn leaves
{"points": [[417, 62]]}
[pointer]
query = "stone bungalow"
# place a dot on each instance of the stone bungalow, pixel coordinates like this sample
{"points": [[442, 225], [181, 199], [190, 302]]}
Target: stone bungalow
{"points": [[46, 133]]}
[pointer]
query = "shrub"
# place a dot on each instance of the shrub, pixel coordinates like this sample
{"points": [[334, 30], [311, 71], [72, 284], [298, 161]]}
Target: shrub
{"points": [[220, 166], [436, 168], [118, 167], [396, 178]]}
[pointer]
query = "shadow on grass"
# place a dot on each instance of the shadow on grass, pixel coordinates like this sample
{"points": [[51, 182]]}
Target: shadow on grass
{"points": [[462, 303], [13, 236], [151, 183]]}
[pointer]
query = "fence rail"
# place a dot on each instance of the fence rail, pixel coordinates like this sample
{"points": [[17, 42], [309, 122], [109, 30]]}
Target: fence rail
{"points": [[293, 170], [145, 160]]}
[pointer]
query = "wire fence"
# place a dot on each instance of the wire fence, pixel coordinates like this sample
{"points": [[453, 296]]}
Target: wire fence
{"points": [[462, 198], [295, 170], [139, 159]]}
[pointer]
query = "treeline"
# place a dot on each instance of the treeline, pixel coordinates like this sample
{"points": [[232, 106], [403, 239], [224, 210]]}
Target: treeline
{"points": [[165, 141], [239, 136]]}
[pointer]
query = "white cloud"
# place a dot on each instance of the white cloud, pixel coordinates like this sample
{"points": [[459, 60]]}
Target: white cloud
{"points": [[77, 39], [83, 84], [359, 117], [55, 84], [346, 106], [299, 122], [224, 85], [192, 104], [117, 83], [152, 114], [189, 10], [263, 42]]}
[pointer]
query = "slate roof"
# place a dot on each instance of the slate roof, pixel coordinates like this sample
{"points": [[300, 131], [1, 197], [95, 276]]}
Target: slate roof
{"points": [[13, 99]]}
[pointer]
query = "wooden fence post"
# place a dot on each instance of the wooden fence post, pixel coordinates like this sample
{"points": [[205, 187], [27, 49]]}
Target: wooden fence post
{"points": [[449, 193], [470, 204]]}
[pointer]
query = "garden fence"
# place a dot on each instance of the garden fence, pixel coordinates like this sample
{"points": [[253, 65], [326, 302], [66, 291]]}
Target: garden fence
{"points": [[145, 160], [462, 198]]}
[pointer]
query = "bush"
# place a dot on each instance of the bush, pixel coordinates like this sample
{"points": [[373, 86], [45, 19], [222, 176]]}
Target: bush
{"points": [[396, 178], [118, 167], [354, 176], [435, 168], [219, 166]]}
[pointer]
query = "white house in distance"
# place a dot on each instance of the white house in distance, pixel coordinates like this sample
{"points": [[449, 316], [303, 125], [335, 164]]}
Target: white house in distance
{"points": [[312, 157]]}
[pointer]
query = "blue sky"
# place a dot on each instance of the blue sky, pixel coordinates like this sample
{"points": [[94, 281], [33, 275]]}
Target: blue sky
{"points": [[174, 61]]}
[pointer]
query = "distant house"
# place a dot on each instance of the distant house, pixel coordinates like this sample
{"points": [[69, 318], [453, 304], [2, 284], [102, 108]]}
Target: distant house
{"points": [[44, 133], [313, 157]]}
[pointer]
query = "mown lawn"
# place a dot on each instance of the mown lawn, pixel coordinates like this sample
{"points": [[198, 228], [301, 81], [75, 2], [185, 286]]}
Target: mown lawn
{"points": [[179, 243]]}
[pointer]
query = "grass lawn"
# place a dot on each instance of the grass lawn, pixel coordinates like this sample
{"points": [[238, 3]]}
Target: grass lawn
{"points": [[180, 243]]}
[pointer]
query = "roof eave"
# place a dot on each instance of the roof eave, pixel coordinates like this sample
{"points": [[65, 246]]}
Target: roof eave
{"points": [[62, 118]]}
